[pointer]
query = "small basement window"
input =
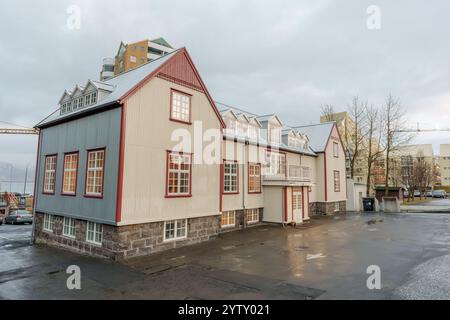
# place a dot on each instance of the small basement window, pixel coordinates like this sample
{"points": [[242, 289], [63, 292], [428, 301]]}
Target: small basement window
{"points": [[175, 229], [94, 233]]}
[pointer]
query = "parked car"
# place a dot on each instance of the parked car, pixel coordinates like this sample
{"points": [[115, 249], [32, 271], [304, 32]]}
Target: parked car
{"points": [[429, 194], [19, 216], [416, 193], [439, 194]]}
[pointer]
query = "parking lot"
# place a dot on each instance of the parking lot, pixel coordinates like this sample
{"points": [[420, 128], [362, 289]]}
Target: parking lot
{"points": [[326, 259]]}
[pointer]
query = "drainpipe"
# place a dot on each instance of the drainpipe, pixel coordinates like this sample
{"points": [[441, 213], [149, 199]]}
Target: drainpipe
{"points": [[246, 144]]}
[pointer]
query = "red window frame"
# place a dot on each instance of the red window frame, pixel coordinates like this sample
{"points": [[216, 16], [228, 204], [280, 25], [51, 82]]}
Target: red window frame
{"points": [[173, 195], [172, 91], [223, 177], [337, 188], [73, 194], [54, 178], [248, 177], [86, 194]]}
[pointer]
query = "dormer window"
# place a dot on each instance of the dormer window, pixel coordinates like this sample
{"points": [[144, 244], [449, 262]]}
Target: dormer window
{"points": [[90, 98], [242, 129], [275, 135], [253, 132], [231, 126]]}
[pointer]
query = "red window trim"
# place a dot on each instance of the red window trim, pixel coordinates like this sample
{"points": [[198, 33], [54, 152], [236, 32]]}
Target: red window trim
{"points": [[69, 194], [339, 180], [167, 195], [95, 196], [223, 178], [248, 177], [172, 90], [56, 171]]}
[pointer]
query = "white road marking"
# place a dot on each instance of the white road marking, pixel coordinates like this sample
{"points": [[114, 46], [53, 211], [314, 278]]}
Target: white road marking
{"points": [[314, 256]]}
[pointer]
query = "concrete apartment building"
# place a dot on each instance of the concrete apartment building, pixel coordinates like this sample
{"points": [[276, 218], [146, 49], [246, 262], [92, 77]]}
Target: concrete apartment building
{"points": [[401, 162], [132, 55], [112, 180], [444, 164]]}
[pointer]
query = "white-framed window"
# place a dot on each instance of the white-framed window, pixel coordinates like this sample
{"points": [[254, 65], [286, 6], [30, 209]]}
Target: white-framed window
{"points": [[94, 97], [337, 181], [230, 126], [253, 132], [335, 149], [275, 163], [50, 174], [69, 227], [254, 177], [336, 206], [77, 103], [49, 222], [274, 135], [178, 174], [94, 232], [228, 219], [95, 170], [90, 98], [252, 215], [242, 129], [70, 173], [230, 176], [180, 107], [132, 58], [87, 99], [175, 229]]}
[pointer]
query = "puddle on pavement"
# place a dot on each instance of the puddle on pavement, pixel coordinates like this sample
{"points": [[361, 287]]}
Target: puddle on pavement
{"points": [[374, 221]]}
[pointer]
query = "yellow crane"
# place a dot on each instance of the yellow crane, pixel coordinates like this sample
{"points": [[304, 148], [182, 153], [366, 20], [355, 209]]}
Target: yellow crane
{"points": [[18, 131]]}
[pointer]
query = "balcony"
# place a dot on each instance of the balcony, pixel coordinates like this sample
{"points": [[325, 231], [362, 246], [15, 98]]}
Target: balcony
{"points": [[295, 174]]}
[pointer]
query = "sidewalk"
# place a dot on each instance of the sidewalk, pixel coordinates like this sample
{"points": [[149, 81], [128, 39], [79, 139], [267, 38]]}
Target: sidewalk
{"points": [[424, 208]]}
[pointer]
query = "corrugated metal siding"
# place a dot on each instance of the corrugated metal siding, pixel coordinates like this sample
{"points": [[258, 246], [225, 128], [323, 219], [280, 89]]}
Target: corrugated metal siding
{"points": [[181, 72], [95, 131]]}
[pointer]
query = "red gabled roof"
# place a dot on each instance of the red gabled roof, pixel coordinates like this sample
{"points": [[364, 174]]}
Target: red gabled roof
{"points": [[181, 68]]}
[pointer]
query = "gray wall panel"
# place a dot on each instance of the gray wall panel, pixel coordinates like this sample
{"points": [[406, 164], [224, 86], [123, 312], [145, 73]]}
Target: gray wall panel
{"points": [[95, 131]]}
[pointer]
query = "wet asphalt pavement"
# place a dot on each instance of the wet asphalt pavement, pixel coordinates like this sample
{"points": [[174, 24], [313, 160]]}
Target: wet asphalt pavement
{"points": [[326, 259]]}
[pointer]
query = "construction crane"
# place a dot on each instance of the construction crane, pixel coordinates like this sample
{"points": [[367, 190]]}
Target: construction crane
{"points": [[418, 129], [18, 131]]}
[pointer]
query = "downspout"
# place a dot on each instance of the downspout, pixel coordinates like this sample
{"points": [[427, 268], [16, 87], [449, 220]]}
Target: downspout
{"points": [[246, 144]]}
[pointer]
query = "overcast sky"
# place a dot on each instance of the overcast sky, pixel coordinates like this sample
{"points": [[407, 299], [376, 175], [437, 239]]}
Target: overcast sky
{"points": [[288, 57]]}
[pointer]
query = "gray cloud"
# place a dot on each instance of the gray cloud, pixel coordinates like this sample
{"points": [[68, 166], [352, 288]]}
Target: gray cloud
{"points": [[287, 57]]}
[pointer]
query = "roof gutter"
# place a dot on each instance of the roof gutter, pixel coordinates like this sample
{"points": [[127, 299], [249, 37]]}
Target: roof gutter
{"points": [[84, 113]]}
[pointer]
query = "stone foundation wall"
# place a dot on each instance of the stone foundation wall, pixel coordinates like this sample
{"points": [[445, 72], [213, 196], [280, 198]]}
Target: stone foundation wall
{"points": [[121, 242], [241, 221], [327, 208]]}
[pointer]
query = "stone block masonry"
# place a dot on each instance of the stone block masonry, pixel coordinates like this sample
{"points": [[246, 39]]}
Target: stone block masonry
{"points": [[328, 208], [122, 242]]}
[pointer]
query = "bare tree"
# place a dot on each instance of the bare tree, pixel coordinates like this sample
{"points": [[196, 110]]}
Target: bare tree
{"points": [[417, 174], [394, 123], [372, 127], [354, 136], [327, 112]]}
